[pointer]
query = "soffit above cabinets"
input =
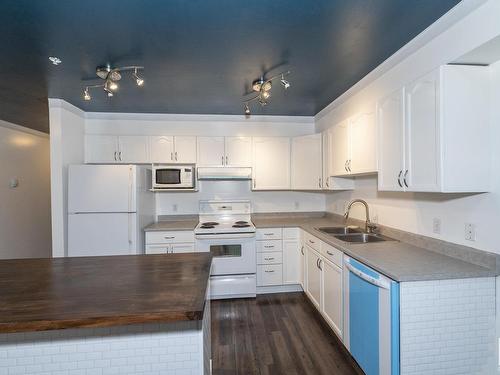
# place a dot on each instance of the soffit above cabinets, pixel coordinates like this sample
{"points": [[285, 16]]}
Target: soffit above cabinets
{"points": [[197, 59]]}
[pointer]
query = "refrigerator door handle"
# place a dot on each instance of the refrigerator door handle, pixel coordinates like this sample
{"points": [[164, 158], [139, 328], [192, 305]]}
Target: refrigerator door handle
{"points": [[129, 229], [130, 187]]}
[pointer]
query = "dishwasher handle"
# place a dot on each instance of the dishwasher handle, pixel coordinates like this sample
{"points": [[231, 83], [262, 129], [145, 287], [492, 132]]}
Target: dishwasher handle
{"points": [[377, 282]]}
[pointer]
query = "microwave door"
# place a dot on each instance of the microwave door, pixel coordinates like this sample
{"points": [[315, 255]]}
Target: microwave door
{"points": [[168, 176]]}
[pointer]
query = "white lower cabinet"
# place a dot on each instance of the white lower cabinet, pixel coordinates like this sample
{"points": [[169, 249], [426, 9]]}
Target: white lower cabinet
{"points": [[313, 275], [269, 275], [332, 296], [169, 242], [323, 280]]}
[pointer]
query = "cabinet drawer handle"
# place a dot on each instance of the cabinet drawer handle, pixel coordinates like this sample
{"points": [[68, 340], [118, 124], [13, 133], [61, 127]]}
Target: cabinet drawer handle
{"points": [[329, 253], [268, 258], [268, 234], [399, 178], [169, 237], [311, 241], [404, 178], [268, 246], [269, 271]]}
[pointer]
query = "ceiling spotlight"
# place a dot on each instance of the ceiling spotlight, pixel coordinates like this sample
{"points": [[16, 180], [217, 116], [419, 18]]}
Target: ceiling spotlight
{"points": [[263, 87], [55, 60], [111, 76], [86, 94], [138, 80], [284, 82]]}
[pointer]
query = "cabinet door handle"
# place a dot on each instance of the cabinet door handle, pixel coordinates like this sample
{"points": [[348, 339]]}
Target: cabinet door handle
{"points": [[327, 183], [254, 183], [227, 161], [222, 159], [399, 179], [319, 182], [404, 178], [172, 156], [120, 155], [302, 250], [349, 165], [175, 155], [345, 166], [115, 155], [319, 264]]}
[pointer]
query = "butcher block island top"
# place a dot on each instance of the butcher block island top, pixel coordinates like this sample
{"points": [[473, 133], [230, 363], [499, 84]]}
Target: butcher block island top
{"points": [[60, 293]]}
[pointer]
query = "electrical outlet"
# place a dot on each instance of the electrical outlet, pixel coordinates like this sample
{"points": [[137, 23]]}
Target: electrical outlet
{"points": [[374, 219], [436, 225], [174, 207], [470, 231]]}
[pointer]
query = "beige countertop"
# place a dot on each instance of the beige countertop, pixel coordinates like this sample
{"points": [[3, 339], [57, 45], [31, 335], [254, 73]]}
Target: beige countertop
{"points": [[412, 258]]}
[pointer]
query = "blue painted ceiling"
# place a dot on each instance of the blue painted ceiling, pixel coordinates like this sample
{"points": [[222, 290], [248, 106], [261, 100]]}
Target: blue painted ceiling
{"points": [[200, 56]]}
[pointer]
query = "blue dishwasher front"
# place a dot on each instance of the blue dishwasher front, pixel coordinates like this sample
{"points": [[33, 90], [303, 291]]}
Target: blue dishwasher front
{"points": [[371, 318]]}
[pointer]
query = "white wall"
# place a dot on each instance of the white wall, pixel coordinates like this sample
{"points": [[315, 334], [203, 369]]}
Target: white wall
{"points": [[213, 125], [24, 210], [415, 212], [262, 201], [67, 127]]}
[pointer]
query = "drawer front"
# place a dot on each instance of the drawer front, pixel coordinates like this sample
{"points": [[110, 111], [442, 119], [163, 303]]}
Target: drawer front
{"points": [[291, 233], [332, 254], [270, 258], [270, 275], [267, 246], [169, 237], [182, 247], [158, 249], [269, 234], [312, 241]]}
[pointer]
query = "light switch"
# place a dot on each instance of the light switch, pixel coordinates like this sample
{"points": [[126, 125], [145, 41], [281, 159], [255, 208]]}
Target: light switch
{"points": [[14, 182]]}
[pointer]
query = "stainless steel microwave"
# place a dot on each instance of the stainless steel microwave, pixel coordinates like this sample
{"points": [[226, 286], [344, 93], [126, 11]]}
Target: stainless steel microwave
{"points": [[174, 176]]}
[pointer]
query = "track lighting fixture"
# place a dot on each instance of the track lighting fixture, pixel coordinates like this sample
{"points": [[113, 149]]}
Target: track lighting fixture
{"points": [[263, 87], [111, 76]]}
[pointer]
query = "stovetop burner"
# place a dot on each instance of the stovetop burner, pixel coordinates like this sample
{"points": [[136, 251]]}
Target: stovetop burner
{"points": [[240, 225], [240, 222], [209, 223], [207, 226]]}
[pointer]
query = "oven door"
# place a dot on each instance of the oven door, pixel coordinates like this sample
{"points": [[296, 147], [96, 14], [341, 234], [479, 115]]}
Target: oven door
{"points": [[231, 256]]}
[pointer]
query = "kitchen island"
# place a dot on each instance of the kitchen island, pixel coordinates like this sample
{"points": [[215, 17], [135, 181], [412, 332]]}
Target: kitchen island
{"points": [[105, 315]]}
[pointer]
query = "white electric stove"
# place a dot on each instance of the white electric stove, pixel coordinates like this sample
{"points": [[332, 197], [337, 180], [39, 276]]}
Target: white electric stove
{"points": [[226, 230]]}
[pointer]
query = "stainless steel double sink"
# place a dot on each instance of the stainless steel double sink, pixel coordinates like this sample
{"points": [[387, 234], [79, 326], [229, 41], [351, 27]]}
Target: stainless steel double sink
{"points": [[353, 235]]}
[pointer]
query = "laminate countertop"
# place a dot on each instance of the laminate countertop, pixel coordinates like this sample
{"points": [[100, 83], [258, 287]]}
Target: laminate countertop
{"points": [[60, 293], [410, 258]]}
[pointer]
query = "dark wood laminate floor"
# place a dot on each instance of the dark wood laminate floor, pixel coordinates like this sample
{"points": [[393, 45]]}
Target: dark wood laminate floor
{"points": [[275, 334]]}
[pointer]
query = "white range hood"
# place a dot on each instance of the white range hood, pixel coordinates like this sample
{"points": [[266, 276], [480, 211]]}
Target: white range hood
{"points": [[224, 173]]}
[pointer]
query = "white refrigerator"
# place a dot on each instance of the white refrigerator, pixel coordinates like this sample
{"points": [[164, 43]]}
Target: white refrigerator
{"points": [[108, 207]]}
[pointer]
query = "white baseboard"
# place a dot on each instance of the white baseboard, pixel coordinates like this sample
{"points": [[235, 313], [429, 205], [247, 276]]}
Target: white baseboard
{"points": [[279, 289]]}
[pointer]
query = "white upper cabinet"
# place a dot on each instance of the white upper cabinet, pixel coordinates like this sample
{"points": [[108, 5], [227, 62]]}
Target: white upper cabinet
{"points": [[307, 162], [353, 146], [362, 144], [390, 117], [185, 149], [162, 149], [211, 152], [133, 149], [116, 149], [271, 163], [238, 151], [434, 134], [339, 152], [173, 149], [101, 149], [327, 181]]}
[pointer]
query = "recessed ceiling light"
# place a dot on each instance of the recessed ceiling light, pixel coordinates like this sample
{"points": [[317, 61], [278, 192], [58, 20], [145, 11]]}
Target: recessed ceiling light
{"points": [[55, 60]]}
